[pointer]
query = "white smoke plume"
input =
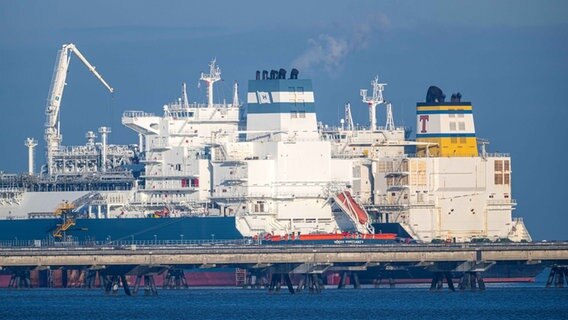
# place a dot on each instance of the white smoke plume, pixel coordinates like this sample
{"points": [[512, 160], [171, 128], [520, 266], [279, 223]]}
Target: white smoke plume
{"points": [[330, 51]]}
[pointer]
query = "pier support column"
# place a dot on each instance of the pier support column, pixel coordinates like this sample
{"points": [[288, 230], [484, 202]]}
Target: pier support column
{"points": [[256, 278], [558, 275], [355, 280], [288, 282], [438, 281], [311, 282], [175, 279], [91, 278], [280, 275], [111, 283], [20, 279], [149, 285], [342, 280], [377, 282], [275, 282], [471, 280], [353, 277]]}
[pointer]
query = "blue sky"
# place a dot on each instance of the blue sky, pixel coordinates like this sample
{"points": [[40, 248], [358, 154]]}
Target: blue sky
{"points": [[510, 58]]}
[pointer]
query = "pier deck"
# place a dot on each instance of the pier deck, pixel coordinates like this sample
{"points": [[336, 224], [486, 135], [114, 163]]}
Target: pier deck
{"points": [[253, 254]]}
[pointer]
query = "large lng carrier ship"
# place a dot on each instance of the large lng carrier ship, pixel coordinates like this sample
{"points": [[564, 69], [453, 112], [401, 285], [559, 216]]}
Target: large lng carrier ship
{"points": [[225, 171]]}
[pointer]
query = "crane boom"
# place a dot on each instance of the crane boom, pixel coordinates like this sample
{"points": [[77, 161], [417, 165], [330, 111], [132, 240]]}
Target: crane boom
{"points": [[52, 131]]}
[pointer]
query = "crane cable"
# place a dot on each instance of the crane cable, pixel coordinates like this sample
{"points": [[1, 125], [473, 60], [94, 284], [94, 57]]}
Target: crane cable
{"points": [[111, 109]]}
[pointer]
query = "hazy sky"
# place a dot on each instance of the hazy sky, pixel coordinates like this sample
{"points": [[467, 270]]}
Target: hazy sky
{"points": [[510, 58]]}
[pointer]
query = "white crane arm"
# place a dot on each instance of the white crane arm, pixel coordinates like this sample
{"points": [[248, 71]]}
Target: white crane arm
{"points": [[52, 133], [57, 86], [89, 66]]}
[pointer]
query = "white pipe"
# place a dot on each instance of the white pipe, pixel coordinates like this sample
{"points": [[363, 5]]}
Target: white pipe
{"points": [[104, 131], [31, 144]]}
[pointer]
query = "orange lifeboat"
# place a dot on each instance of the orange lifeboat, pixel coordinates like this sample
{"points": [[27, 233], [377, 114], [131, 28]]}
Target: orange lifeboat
{"points": [[347, 199]]}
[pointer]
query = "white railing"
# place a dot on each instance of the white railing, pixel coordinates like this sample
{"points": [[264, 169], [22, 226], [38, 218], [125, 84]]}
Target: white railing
{"points": [[495, 155], [502, 202], [136, 114]]}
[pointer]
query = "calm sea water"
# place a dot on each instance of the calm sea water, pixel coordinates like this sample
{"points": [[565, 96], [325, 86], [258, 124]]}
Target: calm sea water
{"points": [[531, 301]]}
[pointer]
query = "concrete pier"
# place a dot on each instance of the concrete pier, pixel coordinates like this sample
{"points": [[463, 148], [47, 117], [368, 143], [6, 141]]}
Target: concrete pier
{"points": [[113, 261]]}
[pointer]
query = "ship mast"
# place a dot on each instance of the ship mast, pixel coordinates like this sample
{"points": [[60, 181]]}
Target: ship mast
{"points": [[213, 76], [373, 101], [185, 101], [390, 119], [348, 117], [236, 94]]}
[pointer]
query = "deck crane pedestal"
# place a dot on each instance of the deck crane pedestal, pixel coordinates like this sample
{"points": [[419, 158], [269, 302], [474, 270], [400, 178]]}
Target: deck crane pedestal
{"points": [[52, 126]]}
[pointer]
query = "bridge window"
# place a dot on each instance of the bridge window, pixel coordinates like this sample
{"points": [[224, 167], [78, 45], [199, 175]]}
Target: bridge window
{"points": [[259, 206], [502, 172], [420, 197]]}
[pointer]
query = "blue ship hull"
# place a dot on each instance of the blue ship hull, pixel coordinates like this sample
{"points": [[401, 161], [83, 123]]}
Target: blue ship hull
{"points": [[187, 228]]}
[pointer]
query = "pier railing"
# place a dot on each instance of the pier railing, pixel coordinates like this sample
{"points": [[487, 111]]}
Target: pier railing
{"points": [[48, 243], [175, 244]]}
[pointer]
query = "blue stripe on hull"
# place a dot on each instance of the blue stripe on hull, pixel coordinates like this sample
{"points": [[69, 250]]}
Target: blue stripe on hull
{"points": [[192, 228], [444, 112], [444, 135]]}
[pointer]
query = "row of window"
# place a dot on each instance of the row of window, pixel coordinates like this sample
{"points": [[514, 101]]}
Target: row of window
{"points": [[297, 114], [461, 140], [460, 126]]}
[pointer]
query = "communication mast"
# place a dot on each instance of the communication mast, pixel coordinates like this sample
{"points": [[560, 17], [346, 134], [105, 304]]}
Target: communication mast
{"points": [[213, 76], [390, 119], [236, 94], [373, 101], [348, 117], [185, 101]]}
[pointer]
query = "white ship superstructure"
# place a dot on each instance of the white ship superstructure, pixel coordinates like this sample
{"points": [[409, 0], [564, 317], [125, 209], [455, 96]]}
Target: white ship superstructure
{"points": [[440, 188], [179, 147], [283, 179]]}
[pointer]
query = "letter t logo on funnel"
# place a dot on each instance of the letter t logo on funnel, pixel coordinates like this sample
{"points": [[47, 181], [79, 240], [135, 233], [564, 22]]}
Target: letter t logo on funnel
{"points": [[424, 119]]}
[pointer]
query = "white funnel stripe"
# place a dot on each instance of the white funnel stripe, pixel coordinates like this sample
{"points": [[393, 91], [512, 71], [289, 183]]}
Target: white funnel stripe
{"points": [[444, 123], [282, 97]]}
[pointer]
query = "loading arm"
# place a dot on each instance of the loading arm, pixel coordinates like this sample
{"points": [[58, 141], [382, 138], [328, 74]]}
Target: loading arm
{"points": [[52, 132]]}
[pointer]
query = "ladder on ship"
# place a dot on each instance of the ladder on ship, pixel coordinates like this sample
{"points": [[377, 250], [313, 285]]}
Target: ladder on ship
{"points": [[65, 211], [240, 277]]}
